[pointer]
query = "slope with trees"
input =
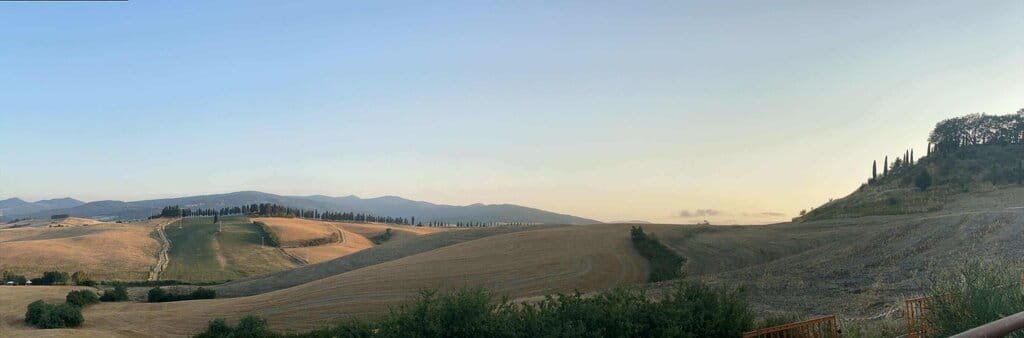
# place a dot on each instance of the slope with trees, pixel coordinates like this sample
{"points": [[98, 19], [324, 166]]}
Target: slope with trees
{"points": [[973, 153]]}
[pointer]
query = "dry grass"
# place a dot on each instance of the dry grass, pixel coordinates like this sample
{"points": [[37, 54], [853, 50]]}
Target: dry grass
{"points": [[104, 250], [291, 230], [351, 243], [370, 229], [15, 299], [294, 230], [522, 264]]}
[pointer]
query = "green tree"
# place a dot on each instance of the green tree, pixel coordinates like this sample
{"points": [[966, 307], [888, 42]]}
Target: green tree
{"points": [[874, 170], [82, 278], [923, 180], [81, 298], [118, 294]]}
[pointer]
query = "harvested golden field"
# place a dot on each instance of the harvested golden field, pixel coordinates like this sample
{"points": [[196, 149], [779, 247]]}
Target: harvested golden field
{"points": [[107, 251], [74, 222], [521, 264], [294, 230], [350, 243]]}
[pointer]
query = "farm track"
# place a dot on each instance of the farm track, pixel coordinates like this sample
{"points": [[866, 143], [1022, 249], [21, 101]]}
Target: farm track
{"points": [[163, 258]]}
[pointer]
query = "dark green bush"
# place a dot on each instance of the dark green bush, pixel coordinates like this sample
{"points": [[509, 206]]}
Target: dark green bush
{"points": [[665, 263], [52, 278], [158, 295], [49, 316], [382, 237], [118, 294], [82, 298], [249, 326], [689, 310]]}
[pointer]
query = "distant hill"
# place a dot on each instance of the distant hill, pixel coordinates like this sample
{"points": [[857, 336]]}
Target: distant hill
{"points": [[14, 207], [970, 154], [384, 206]]}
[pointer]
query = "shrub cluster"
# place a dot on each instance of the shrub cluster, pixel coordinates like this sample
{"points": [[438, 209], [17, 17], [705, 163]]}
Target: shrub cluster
{"points": [[8, 276], [82, 278], [665, 263], [689, 310], [81, 298], [49, 316], [158, 295], [382, 237], [118, 294], [52, 278], [316, 241]]}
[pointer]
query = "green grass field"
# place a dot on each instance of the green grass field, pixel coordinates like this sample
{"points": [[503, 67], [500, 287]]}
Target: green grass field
{"points": [[199, 253]]}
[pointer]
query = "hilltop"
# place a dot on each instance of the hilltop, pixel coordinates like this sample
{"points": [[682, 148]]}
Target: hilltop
{"points": [[387, 205], [966, 155]]}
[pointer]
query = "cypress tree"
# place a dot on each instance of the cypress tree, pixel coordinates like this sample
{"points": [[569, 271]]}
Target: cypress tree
{"points": [[885, 166], [874, 169], [911, 156]]}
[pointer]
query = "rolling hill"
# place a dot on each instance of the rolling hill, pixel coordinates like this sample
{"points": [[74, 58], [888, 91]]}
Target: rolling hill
{"points": [[384, 206], [546, 260], [107, 251], [14, 207]]}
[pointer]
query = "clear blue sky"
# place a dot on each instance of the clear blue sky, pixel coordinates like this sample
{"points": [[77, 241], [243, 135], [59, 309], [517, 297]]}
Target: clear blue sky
{"points": [[612, 110]]}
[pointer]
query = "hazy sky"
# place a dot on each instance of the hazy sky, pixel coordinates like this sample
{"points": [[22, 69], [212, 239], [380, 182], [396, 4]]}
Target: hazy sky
{"points": [[666, 111]]}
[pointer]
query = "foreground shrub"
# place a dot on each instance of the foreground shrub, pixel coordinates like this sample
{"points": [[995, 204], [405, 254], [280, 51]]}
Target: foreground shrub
{"points": [[118, 294], [49, 316], [665, 263], [689, 310], [972, 295], [158, 295], [82, 298]]}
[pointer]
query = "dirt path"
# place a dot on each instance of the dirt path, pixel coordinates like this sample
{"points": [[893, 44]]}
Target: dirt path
{"points": [[163, 258]]}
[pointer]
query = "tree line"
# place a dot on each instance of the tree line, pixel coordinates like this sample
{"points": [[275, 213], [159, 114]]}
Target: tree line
{"points": [[978, 129], [276, 210]]}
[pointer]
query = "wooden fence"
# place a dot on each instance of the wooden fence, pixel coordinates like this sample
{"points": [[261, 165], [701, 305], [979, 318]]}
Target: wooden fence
{"points": [[824, 327]]}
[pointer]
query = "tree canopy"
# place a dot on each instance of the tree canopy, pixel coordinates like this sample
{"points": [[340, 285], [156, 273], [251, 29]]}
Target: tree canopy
{"points": [[978, 129]]}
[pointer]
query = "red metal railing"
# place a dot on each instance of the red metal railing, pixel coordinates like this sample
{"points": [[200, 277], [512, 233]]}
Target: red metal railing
{"points": [[916, 309], [824, 327]]}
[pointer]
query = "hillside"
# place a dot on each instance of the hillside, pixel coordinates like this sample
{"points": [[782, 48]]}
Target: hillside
{"points": [[107, 251], [546, 260], [970, 154], [202, 251], [855, 267], [384, 206]]}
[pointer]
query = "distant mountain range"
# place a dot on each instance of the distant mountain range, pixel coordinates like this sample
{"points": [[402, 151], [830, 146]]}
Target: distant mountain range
{"points": [[17, 206], [382, 206]]}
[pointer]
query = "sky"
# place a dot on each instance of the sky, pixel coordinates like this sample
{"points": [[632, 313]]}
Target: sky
{"points": [[663, 111]]}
